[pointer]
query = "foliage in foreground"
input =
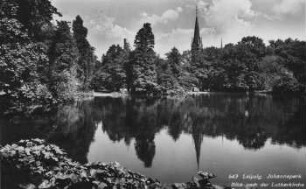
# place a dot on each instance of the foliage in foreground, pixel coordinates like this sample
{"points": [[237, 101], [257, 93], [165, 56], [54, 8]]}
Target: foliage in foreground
{"points": [[45, 165]]}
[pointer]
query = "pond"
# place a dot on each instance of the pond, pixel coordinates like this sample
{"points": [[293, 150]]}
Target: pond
{"points": [[171, 139]]}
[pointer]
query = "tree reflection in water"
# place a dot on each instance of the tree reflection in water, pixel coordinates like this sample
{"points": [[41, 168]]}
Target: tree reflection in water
{"points": [[74, 128], [71, 127], [251, 120]]}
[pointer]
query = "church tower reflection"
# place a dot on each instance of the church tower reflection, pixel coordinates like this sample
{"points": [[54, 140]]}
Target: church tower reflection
{"points": [[197, 139]]}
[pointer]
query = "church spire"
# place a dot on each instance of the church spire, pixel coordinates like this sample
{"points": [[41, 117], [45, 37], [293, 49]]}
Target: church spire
{"points": [[197, 40]]}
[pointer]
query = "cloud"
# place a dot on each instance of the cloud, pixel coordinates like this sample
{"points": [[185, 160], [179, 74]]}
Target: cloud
{"points": [[280, 9], [203, 6], [168, 15], [104, 31], [230, 20], [173, 20], [288, 7], [180, 38], [105, 26], [225, 16]]}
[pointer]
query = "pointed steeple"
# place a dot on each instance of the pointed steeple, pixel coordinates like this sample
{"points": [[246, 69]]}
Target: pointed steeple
{"points": [[197, 40], [196, 35]]}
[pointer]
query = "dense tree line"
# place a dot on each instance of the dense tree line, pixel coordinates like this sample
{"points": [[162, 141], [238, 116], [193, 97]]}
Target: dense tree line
{"points": [[247, 66], [46, 62], [42, 61]]}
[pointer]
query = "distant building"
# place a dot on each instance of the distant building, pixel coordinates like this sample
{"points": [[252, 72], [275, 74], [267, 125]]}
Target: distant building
{"points": [[221, 44], [126, 45], [196, 44]]}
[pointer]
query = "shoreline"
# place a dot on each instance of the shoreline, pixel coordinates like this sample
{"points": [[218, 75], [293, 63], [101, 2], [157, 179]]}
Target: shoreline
{"points": [[119, 94], [111, 94], [259, 93]]}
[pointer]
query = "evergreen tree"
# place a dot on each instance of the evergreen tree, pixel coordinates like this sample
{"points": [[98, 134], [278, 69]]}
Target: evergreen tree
{"points": [[141, 68], [63, 63], [87, 59], [144, 40]]}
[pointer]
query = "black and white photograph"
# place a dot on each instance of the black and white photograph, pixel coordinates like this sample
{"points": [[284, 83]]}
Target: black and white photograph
{"points": [[153, 94]]}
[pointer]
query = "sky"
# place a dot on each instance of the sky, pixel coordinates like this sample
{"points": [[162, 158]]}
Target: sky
{"points": [[110, 21]]}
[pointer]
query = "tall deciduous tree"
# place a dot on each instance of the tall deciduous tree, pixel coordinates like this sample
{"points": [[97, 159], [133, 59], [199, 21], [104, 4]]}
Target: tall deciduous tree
{"points": [[35, 16], [174, 59], [169, 71], [111, 75], [19, 58]]}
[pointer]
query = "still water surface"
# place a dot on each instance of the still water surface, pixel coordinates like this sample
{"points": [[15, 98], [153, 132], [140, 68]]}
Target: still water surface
{"points": [[170, 139]]}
